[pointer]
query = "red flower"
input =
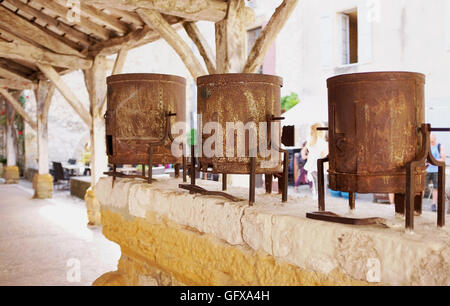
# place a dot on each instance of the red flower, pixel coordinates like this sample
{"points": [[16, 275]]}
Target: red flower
{"points": [[20, 133], [3, 112]]}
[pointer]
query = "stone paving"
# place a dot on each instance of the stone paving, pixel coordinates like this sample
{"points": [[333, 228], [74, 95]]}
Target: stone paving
{"points": [[48, 242]]}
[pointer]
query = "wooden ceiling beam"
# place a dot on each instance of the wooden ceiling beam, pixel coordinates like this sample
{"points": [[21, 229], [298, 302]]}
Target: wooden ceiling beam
{"points": [[114, 45], [14, 23], [70, 32], [63, 12], [18, 108], [126, 16], [68, 94], [16, 50], [155, 20], [7, 73], [194, 10], [17, 85], [99, 17]]}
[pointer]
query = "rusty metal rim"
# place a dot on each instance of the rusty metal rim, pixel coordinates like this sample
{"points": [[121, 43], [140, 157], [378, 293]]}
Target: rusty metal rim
{"points": [[379, 174], [376, 76], [239, 77], [136, 77]]}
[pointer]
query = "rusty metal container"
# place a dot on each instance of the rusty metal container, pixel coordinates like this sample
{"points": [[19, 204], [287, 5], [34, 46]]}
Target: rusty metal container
{"points": [[242, 98], [137, 109], [374, 121]]}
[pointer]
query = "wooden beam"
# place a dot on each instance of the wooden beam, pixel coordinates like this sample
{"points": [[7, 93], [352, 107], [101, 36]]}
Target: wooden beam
{"points": [[131, 40], [63, 11], [118, 67], [202, 45], [9, 74], [18, 108], [126, 16], [65, 90], [231, 39], [114, 45], [70, 32], [155, 20], [211, 10], [44, 94], [17, 85], [99, 17], [95, 79], [15, 66], [17, 24], [268, 35], [27, 51]]}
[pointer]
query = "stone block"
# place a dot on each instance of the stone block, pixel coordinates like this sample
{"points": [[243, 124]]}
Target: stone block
{"points": [[79, 186], [92, 207], [11, 175], [43, 186]]}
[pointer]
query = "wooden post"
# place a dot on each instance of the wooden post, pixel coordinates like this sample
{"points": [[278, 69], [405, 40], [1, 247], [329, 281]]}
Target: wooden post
{"points": [[11, 173], [43, 181], [268, 35], [95, 79], [231, 38], [155, 20], [10, 136]]}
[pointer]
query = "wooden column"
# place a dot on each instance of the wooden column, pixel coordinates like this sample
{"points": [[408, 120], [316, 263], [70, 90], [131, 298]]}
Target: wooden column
{"points": [[231, 38], [43, 181], [268, 35], [11, 173], [95, 79], [11, 139], [44, 94]]}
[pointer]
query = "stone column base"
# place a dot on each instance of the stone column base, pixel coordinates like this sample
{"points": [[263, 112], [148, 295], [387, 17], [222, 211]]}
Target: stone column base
{"points": [[43, 186], [93, 207], [11, 175]]}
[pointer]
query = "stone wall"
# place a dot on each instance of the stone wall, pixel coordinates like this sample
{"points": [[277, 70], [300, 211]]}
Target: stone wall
{"points": [[169, 236]]}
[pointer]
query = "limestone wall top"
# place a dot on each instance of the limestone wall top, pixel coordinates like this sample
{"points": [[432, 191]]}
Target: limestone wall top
{"points": [[385, 254]]}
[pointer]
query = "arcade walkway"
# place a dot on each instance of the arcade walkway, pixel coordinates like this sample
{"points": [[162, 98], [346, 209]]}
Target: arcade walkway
{"points": [[47, 242]]}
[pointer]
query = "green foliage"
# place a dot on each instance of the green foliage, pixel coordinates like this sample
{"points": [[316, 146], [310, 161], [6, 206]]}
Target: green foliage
{"points": [[290, 101]]}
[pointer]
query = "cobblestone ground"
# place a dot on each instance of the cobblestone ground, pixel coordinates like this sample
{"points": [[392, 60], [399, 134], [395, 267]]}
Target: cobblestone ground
{"points": [[48, 242]]}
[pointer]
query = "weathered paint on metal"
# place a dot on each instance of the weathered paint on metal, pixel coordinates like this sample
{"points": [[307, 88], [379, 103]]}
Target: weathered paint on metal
{"points": [[242, 98], [137, 109], [374, 131]]}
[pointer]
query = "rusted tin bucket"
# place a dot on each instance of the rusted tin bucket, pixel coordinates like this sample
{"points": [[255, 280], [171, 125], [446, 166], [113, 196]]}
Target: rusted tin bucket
{"points": [[138, 109], [241, 98], [374, 131]]}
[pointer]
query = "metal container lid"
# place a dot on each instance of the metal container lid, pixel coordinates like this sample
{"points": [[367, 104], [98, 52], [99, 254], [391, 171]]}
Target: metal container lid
{"points": [[375, 76], [239, 78], [135, 77]]}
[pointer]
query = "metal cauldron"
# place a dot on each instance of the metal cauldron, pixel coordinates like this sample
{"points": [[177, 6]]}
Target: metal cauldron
{"points": [[140, 110], [374, 131], [242, 98]]}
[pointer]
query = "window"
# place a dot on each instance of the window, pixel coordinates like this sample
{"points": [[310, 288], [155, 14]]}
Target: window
{"points": [[348, 34]]}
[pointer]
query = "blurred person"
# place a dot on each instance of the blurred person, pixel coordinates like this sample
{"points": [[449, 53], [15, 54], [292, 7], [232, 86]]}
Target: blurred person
{"points": [[317, 148], [301, 159], [438, 152]]}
